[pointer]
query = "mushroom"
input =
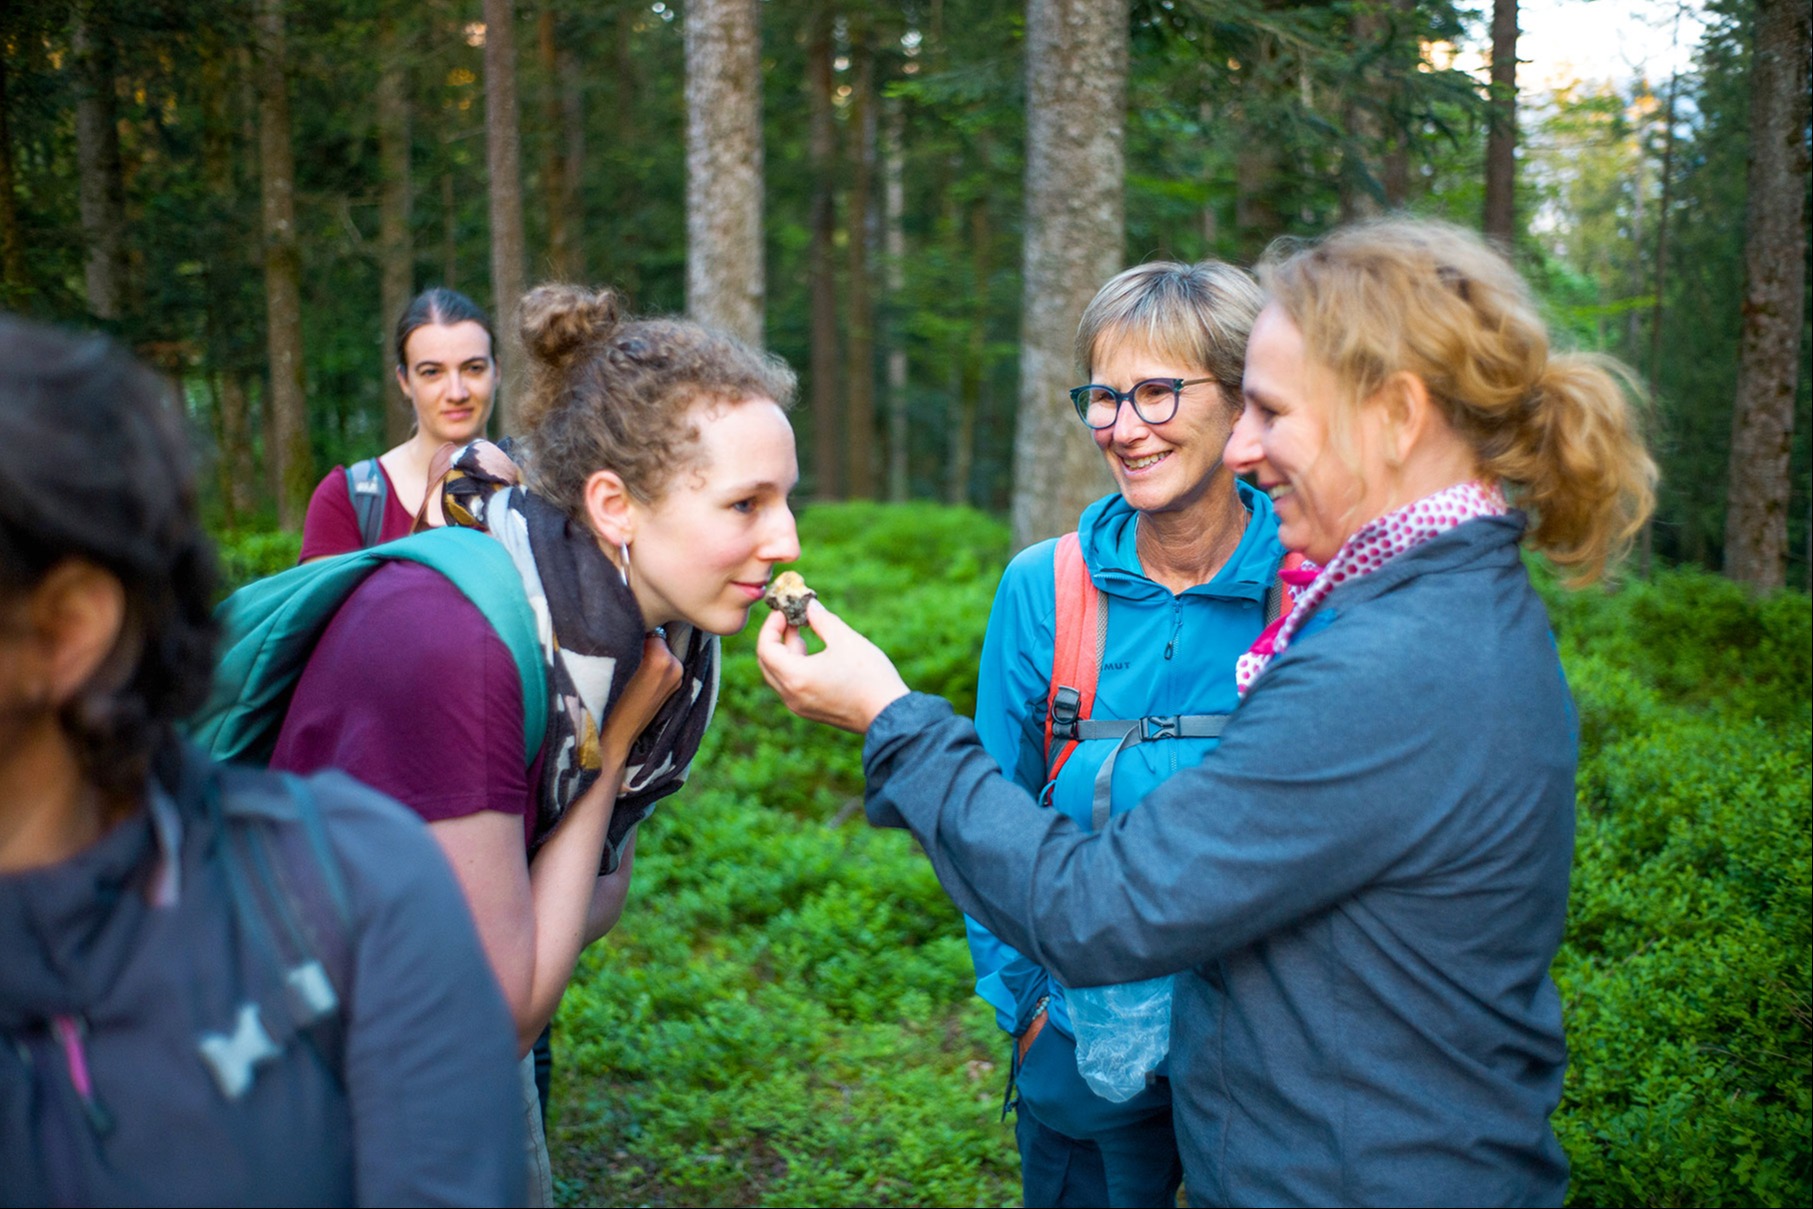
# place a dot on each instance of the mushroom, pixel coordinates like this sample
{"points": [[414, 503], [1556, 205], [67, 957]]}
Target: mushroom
{"points": [[790, 595]]}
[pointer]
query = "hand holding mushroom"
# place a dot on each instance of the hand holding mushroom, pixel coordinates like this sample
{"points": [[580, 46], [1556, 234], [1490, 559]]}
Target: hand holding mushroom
{"points": [[845, 685]]}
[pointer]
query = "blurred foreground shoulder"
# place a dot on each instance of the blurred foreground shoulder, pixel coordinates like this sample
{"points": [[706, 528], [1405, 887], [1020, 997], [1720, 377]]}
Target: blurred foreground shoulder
{"points": [[431, 1062]]}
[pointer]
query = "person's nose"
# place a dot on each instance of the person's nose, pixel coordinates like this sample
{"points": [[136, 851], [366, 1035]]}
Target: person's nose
{"points": [[459, 389], [1129, 425], [780, 544], [1245, 450]]}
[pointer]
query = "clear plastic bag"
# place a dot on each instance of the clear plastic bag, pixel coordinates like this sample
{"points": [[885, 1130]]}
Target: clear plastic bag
{"points": [[1122, 1033]]}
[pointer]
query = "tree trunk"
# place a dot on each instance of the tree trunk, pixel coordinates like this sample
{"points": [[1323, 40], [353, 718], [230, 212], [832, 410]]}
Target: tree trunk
{"points": [[1406, 57], [1656, 310], [1365, 132], [554, 171], [1501, 138], [894, 207], [396, 250], [962, 451], [101, 191], [234, 467], [221, 278], [503, 163], [450, 226], [294, 470], [821, 271], [14, 288], [859, 374], [1076, 90], [620, 264], [725, 285], [1256, 218], [572, 159], [1775, 247]]}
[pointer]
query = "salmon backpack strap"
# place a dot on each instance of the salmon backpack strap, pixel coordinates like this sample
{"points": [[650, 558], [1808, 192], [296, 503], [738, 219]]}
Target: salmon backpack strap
{"points": [[1281, 597], [1080, 623]]}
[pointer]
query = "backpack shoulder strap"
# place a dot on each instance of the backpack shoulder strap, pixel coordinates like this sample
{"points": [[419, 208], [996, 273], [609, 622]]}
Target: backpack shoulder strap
{"points": [[1080, 624], [270, 628], [366, 487], [1081, 636], [1281, 597], [289, 899]]}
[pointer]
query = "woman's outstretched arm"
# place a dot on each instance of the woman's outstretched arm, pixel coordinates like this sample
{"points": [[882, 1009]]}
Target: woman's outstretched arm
{"points": [[533, 919], [1324, 782]]}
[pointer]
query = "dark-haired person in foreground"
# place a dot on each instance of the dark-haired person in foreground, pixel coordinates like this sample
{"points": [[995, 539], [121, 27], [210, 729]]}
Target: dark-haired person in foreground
{"points": [[447, 369], [1362, 888], [165, 1037]]}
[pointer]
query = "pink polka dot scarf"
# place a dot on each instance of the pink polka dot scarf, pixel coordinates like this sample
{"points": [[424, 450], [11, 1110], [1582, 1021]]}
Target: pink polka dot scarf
{"points": [[1376, 543]]}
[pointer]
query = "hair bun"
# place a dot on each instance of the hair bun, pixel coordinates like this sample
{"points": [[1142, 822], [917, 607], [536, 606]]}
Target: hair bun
{"points": [[558, 321]]}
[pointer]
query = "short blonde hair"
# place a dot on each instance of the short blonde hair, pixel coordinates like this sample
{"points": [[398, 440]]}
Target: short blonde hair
{"points": [[1199, 313], [1560, 432]]}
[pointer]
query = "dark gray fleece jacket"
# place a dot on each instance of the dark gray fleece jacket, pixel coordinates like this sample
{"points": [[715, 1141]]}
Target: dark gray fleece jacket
{"points": [[121, 967], [1363, 886]]}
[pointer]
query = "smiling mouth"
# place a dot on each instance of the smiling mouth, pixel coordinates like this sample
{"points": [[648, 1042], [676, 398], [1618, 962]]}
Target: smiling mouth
{"points": [[1145, 463], [1278, 491]]}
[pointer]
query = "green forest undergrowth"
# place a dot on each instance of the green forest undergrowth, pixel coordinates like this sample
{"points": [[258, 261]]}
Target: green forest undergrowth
{"points": [[784, 1016]]}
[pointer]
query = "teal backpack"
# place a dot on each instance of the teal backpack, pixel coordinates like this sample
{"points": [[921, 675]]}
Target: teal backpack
{"points": [[270, 628]]}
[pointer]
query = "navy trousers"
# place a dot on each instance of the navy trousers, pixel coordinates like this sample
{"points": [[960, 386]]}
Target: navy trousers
{"points": [[1077, 1149]]}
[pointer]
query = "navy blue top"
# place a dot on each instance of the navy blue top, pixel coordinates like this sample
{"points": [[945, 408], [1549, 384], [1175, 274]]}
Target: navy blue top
{"points": [[425, 1108], [1363, 888]]}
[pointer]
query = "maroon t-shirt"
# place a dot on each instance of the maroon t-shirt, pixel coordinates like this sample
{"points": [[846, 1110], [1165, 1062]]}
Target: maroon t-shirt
{"points": [[411, 691], [331, 526]]}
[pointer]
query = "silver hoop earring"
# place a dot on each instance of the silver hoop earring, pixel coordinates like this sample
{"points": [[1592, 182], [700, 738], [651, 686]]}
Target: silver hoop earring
{"points": [[623, 568]]}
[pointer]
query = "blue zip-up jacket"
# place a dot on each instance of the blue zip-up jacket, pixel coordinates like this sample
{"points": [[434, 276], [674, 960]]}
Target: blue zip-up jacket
{"points": [[1361, 891], [1158, 649]]}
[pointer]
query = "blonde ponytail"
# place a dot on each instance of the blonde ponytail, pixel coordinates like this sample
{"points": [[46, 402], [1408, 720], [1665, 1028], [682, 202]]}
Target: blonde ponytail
{"points": [[1577, 462]]}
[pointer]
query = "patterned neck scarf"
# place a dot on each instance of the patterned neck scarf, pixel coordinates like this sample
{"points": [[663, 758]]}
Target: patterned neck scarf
{"points": [[1376, 543], [591, 638]]}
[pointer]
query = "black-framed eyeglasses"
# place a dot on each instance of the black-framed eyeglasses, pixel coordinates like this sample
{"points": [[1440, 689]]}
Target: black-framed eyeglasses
{"points": [[1154, 400]]}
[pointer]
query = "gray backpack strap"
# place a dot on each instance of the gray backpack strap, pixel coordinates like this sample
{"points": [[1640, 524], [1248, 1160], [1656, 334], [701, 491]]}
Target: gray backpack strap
{"points": [[1131, 733], [1274, 600], [365, 486], [291, 905]]}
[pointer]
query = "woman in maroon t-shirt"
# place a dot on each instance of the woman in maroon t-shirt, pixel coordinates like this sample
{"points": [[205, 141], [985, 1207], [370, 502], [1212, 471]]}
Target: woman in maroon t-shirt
{"points": [[659, 461], [447, 370]]}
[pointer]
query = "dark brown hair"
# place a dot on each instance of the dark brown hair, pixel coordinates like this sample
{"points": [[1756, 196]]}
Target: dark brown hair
{"points": [[94, 467], [439, 305]]}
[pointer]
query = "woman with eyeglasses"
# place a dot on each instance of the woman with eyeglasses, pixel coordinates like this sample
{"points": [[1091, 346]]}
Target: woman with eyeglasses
{"points": [[1183, 559], [1361, 890]]}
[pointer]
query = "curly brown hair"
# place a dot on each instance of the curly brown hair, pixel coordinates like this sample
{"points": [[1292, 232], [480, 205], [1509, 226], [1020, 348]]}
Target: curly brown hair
{"points": [[622, 394]]}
